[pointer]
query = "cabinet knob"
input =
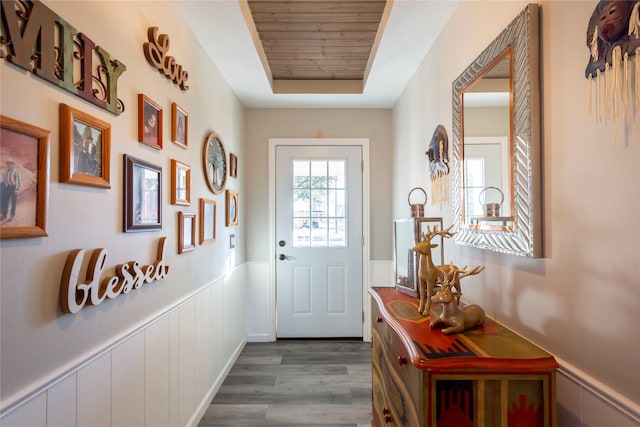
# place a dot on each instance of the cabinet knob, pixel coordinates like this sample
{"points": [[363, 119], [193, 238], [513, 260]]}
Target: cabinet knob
{"points": [[387, 419], [386, 411], [402, 360], [379, 319]]}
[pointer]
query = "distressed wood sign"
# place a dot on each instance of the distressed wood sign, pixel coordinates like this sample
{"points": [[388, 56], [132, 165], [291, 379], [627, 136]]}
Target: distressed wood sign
{"points": [[156, 53], [74, 295], [36, 39]]}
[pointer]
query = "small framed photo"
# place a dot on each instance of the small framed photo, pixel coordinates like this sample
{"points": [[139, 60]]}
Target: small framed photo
{"points": [[24, 176], [186, 231], [233, 165], [207, 221], [232, 208], [179, 125], [180, 183], [149, 122], [142, 195], [85, 149]]}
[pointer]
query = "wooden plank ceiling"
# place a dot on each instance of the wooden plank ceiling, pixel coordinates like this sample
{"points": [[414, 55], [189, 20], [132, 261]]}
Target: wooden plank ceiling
{"points": [[316, 46]]}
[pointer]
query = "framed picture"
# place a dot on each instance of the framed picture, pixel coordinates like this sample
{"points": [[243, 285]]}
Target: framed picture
{"points": [[24, 175], [233, 165], [232, 208], [179, 125], [207, 221], [180, 183], [186, 231], [142, 195], [85, 149], [149, 122]]}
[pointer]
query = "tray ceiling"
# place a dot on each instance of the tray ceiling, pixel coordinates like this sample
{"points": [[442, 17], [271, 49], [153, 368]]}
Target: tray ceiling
{"points": [[317, 46]]}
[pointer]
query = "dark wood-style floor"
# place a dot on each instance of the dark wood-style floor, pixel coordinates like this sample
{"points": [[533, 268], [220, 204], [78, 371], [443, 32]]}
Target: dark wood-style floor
{"points": [[296, 382]]}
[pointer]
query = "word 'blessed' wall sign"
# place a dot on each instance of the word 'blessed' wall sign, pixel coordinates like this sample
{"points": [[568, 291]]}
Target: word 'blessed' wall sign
{"points": [[38, 40], [75, 295], [156, 53]]}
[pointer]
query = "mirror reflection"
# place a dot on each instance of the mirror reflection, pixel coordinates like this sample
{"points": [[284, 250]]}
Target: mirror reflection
{"points": [[487, 114]]}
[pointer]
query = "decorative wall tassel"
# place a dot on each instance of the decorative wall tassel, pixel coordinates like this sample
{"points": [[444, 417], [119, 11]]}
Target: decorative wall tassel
{"points": [[594, 45], [590, 96], [634, 22], [616, 86], [627, 87], [637, 79], [599, 95], [608, 80]]}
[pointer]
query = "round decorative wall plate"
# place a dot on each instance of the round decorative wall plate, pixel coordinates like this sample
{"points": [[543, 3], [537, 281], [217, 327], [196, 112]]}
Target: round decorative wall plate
{"points": [[215, 163]]}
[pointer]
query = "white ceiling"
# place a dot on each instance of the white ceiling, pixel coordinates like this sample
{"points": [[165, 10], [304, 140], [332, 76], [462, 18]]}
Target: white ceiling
{"points": [[412, 28]]}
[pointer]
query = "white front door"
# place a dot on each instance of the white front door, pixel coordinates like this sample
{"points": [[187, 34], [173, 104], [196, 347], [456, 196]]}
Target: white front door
{"points": [[318, 241]]}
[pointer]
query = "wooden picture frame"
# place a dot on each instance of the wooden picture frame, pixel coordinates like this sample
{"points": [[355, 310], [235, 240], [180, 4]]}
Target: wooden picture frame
{"points": [[180, 183], [27, 148], [233, 165], [149, 122], [186, 231], [231, 217], [85, 149], [208, 211], [142, 195], [179, 126]]}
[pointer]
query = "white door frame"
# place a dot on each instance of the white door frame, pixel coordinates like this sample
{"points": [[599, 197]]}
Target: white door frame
{"points": [[364, 144]]}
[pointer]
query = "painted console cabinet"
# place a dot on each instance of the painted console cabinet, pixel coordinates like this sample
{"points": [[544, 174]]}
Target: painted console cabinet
{"points": [[485, 377]]}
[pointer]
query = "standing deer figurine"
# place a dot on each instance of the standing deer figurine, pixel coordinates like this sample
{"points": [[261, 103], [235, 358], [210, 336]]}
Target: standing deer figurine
{"points": [[454, 318], [429, 274]]}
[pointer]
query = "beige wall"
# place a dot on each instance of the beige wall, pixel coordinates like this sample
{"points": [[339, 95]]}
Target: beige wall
{"points": [[38, 341], [309, 123], [581, 301]]}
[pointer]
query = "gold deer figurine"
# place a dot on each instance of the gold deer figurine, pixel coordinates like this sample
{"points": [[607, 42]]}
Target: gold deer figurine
{"points": [[454, 318], [429, 274]]}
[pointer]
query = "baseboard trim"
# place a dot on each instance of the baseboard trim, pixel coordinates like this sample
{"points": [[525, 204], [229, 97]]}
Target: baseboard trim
{"points": [[600, 390]]}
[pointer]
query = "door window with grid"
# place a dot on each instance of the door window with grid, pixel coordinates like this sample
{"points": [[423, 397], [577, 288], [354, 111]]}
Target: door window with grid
{"points": [[319, 216]]}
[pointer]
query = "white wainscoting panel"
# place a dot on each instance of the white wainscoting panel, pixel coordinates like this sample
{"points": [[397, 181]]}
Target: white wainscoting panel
{"points": [[128, 382], [164, 374], [32, 414], [59, 412], [94, 393], [156, 373]]}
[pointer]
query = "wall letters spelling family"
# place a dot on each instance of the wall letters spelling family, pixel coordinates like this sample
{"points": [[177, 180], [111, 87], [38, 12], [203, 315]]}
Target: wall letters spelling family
{"points": [[156, 53], [38, 40], [75, 295]]}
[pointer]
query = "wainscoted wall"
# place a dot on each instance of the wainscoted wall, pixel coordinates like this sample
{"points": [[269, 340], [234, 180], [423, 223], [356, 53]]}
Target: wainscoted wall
{"points": [[164, 373]]}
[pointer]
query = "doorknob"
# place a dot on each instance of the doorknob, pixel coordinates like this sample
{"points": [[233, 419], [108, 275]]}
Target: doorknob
{"points": [[282, 257]]}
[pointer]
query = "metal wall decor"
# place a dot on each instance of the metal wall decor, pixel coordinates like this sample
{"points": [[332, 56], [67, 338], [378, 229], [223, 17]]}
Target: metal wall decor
{"points": [[215, 163], [55, 51]]}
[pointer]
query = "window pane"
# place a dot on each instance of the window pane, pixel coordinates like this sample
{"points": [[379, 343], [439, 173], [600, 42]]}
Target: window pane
{"points": [[301, 232], [319, 232], [319, 203], [336, 174], [337, 235], [301, 203], [301, 173], [336, 203], [318, 174]]}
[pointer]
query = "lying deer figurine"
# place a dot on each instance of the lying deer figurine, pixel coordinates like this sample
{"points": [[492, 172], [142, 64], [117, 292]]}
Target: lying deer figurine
{"points": [[454, 318], [429, 274]]}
